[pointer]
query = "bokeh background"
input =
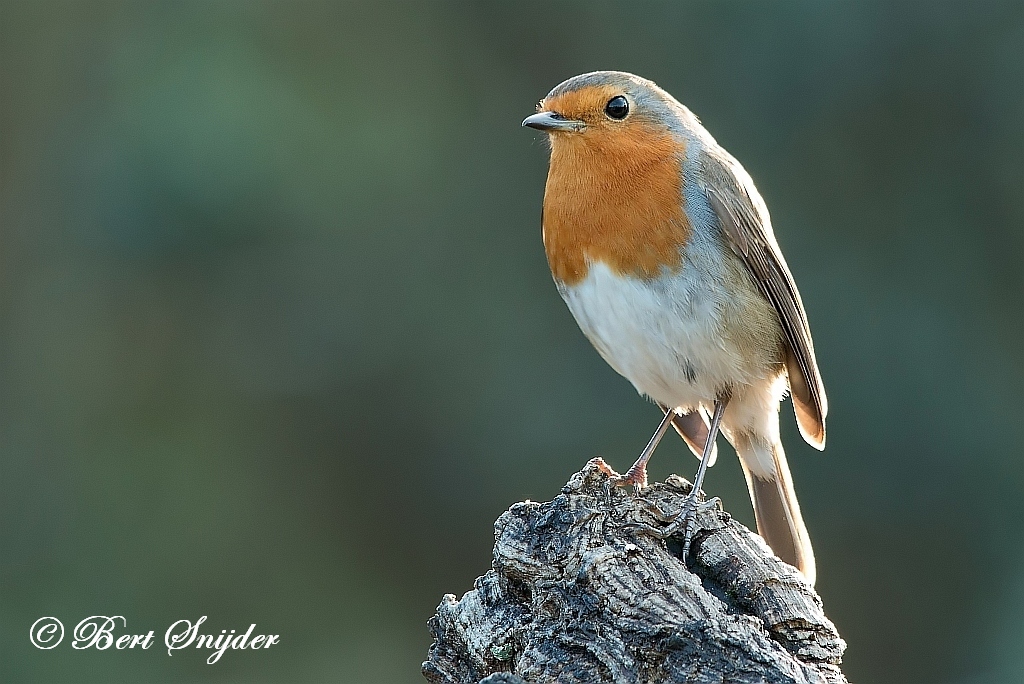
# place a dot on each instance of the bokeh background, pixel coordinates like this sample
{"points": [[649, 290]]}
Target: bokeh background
{"points": [[278, 341]]}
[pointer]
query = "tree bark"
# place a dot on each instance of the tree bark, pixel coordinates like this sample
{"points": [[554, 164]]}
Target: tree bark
{"points": [[579, 593]]}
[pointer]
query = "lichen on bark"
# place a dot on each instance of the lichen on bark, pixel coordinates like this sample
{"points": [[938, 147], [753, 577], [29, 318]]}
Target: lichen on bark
{"points": [[579, 593]]}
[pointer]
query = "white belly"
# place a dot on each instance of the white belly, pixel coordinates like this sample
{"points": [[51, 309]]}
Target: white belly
{"points": [[678, 338]]}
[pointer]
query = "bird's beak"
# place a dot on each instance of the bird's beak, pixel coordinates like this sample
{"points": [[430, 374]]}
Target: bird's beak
{"points": [[553, 121]]}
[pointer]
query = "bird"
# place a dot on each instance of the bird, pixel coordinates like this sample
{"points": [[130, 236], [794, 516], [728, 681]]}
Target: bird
{"points": [[663, 249]]}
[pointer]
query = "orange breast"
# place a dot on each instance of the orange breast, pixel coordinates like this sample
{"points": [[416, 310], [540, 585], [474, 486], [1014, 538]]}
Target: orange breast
{"points": [[615, 198]]}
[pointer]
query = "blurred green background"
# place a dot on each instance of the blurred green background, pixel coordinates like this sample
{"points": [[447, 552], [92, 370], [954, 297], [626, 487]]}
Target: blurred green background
{"points": [[278, 341]]}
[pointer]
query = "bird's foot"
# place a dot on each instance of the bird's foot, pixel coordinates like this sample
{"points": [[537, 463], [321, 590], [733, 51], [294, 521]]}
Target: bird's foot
{"points": [[684, 519], [636, 475]]}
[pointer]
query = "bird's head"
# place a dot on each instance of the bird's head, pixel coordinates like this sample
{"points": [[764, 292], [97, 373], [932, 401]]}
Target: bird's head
{"points": [[609, 110]]}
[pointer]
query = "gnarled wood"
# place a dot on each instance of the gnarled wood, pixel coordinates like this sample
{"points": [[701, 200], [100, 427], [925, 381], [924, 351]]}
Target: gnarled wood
{"points": [[578, 593]]}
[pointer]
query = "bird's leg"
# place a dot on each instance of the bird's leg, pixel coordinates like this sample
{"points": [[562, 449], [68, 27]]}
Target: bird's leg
{"points": [[686, 516], [637, 473]]}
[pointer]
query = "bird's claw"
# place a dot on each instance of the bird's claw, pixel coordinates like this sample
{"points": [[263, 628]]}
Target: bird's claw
{"points": [[683, 519], [636, 476]]}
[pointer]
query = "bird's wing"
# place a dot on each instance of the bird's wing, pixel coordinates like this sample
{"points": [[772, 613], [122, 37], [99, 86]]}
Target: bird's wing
{"points": [[748, 231]]}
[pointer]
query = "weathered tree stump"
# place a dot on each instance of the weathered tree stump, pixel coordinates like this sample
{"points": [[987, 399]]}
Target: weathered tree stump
{"points": [[578, 594]]}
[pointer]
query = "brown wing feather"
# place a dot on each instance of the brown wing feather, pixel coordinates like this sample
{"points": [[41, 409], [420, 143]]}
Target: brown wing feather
{"points": [[694, 428], [748, 230]]}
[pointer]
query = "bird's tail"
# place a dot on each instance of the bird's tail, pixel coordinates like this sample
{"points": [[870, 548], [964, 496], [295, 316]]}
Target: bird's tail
{"points": [[775, 505]]}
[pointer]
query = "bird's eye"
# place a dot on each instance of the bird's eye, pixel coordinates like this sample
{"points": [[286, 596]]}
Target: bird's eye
{"points": [[617, 107]]}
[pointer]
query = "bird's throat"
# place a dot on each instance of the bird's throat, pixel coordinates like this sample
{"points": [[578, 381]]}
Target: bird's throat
{"points": [[618, 200]]}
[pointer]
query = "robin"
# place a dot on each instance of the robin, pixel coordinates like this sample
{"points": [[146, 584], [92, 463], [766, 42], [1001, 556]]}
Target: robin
{"points": [[663, 250]]}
